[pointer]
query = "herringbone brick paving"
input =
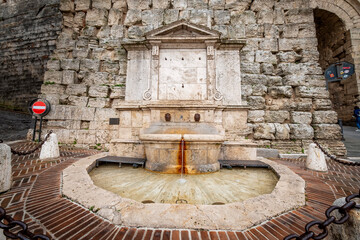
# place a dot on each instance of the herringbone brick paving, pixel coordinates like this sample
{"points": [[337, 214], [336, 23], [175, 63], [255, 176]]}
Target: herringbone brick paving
{"points": [[35, 198]]}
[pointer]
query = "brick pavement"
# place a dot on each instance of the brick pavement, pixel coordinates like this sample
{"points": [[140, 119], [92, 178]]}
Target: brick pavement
{"points": [[36, 198]]}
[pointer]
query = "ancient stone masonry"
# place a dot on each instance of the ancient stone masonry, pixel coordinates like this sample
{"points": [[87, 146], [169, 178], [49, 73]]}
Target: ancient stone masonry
{"points": [[335, 46], [281, 79], [28, 33]]}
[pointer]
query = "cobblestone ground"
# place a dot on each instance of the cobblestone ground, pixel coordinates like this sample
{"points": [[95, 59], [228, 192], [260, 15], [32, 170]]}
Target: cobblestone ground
{"points": [[36, 198]]}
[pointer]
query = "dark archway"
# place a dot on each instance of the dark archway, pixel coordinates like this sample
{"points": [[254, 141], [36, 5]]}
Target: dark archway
{"points": [[334, 45]]}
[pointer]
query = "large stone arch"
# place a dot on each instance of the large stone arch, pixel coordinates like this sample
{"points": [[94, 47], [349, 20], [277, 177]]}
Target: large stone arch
{"points": [[349, 12]]}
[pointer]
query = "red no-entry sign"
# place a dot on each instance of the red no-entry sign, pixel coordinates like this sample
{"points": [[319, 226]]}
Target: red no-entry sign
{"points": [[39, 107]]}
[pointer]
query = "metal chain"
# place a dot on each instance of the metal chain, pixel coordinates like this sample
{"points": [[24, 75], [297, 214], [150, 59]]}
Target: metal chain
{"points": [[33, 150], [332, 157], [343, 210], [23, 234]]}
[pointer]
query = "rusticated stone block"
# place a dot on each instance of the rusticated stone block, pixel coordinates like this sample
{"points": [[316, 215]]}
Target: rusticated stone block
{"points": [[322, 104], [301, 117], [96, 78], [139, 4], [98, 91], [252, 79], [311, 92], [70, 64], [69, 77], [96, 17], [76, 89], [171, 15], [106, 4], [119, 4], [99, 102], [256, 102], [52, 89], [321, 117], [280, 91], [301, 131], [282, 131], [67, 5], [53, 65], [115, 17], [89, 65], [53, 77], [264, 131], [294, 80], [133, 17], [277, 116], [327, 131], [256, 116], [81, 5]]}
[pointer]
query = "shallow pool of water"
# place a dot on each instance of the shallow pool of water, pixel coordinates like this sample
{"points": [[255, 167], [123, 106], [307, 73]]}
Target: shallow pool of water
{"points": [[225, 186]]}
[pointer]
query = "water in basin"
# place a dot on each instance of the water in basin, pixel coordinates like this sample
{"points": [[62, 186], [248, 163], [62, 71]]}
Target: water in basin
{"points": [[224, 186]]}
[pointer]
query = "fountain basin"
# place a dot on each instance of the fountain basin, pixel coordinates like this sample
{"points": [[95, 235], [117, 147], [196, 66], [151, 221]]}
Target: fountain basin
{"points": [[289, 193], [165, 152]]}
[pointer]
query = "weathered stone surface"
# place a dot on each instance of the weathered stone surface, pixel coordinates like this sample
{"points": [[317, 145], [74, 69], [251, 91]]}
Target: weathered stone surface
{"points": [[76, 89], [69, 77], [5, 168], [265, 56], [256, 102], [106, 4], [119, 4], [311, 92], [50, 149], [98, 91], [78, 101], [222, 17], [264, 131], [115, 17], [294, 80], [350, 230], [53, 65], [315, 159], [96, 78], [256, 116], [98, 102], [162, 4], [322, 104], [301, 131], [152, 17], [274, 81], [327, 131], [252, 79], [97, 17], [282, 131], [82, 5], [277, 116], [171, 15], [139, 4], [70, 64], [89, 65], [301, 117], [52, 88], [280, 91], [323, 117], [53, 77], [66, 5]]}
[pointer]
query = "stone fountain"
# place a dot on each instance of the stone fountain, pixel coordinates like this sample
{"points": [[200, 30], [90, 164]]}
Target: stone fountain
{"points": [[181, 71]]}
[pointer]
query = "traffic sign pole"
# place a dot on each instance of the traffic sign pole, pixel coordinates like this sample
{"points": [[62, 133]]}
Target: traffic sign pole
{"points": [[39, 108]]}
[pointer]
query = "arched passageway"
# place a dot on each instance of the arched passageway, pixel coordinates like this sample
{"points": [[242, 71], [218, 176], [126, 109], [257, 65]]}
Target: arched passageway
{"points": [[335, 45]]}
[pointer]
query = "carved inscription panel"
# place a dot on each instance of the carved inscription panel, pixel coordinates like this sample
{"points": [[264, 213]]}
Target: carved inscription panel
{"points": [[182, 74]]}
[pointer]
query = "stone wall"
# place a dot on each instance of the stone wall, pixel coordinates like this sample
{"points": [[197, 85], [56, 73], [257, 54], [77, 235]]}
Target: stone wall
{"points": [[28, 30], [335, 46], [282, 79]]}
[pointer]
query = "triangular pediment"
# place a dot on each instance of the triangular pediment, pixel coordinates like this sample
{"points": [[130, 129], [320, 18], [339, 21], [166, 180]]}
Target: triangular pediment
{"points": [[182, 29]]}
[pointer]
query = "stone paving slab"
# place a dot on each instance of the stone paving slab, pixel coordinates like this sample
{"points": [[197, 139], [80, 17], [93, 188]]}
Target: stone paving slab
{"points": [[35, 198]]}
